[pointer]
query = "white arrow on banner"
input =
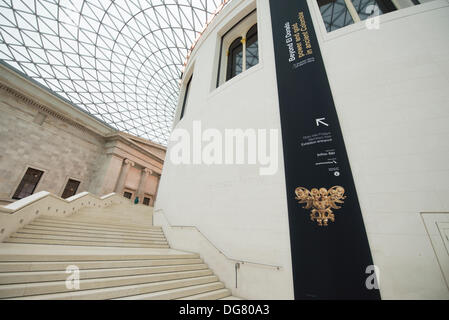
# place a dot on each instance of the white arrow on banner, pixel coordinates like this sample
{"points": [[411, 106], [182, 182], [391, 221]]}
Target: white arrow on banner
{"points": [[320, 120]]}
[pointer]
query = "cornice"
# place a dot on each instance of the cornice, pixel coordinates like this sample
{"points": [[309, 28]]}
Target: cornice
{"points": [[36, 95], [129, 142]]}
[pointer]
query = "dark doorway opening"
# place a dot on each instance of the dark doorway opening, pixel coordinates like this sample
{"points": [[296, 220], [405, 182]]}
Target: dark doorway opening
{"points": [[70, 188], [28, 183], [146, 201]]}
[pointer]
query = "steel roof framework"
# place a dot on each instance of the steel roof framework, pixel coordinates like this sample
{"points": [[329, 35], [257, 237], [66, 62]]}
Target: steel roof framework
{"points": [[120, 60]]}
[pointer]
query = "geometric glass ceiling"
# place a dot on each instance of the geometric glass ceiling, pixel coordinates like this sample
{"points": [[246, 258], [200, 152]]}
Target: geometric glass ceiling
{"points": [[120, 60]]}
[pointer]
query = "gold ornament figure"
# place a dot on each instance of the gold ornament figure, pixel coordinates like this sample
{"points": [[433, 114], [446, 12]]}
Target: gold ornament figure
{"points": [[321, 201]]}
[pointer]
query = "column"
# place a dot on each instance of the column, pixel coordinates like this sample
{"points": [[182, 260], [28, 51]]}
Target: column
{"points": [[123, 175], [243, 41], [142, 183], [153, 199]]}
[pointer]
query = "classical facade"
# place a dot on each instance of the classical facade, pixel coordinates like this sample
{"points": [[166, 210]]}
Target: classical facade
{"points": [[49, 144]]}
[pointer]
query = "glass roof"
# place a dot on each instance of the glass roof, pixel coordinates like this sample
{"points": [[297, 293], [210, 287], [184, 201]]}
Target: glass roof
{"points": [[120, 60]]}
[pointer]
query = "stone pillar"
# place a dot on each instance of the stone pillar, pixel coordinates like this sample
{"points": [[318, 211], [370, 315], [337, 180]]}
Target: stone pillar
{"points": [[142, 183], [153, 199], [123, 175]]}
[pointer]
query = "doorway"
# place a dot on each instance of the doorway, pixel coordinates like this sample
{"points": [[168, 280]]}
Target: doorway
{"points": [[28, 183], [70, 188]]}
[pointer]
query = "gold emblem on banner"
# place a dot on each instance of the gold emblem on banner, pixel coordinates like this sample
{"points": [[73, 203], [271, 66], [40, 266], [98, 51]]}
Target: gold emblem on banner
{"points": [[321, 201]]}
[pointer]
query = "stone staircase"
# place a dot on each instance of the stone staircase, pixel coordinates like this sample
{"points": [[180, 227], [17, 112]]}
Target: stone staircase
{"points": [[82, 232], [119, 256]]}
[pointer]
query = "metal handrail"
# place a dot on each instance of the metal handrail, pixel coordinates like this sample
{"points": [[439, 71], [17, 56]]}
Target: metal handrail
{"points": [[219, 250]]}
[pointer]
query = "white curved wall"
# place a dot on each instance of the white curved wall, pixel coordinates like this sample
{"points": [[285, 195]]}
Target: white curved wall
{"points": [[390, 90]]}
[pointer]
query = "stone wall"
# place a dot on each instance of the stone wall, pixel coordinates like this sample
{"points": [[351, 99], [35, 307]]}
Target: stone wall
{"points": [[30, 137]]}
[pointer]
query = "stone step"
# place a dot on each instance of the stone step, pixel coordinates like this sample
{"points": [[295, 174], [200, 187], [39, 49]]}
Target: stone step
{"points": [[124, 291], [231, 298], [177, 293], [96, 221], [92, 257], [88, 265], [29, 289], [211, 295], [115, 217], [87, 234], [41, 276], [67, 224], [91, 230], [91, 227], [85, 243], [23, 235]]}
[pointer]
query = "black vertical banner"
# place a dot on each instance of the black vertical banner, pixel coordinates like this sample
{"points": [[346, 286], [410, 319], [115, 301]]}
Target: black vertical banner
{"points": [[331, 257]]}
